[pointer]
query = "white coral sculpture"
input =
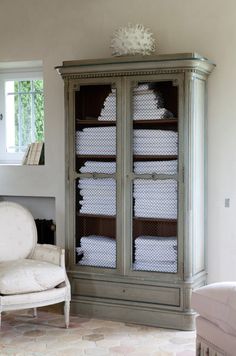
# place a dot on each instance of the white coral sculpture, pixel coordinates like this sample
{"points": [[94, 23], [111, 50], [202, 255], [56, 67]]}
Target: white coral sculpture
{"points": [[131, 40]]}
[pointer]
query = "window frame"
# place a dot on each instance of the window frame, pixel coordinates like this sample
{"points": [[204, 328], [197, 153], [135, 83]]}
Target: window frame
{"points": [[16, 74]]}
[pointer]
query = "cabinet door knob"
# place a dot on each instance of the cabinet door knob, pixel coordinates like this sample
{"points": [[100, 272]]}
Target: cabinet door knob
{"points": [[1, 116]]}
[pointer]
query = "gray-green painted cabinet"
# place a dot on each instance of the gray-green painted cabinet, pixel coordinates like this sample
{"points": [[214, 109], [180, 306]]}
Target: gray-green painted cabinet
{"points": [[135, 186]]}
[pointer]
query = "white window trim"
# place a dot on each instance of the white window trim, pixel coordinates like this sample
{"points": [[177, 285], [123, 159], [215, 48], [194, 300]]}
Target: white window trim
{"points": [[11, 71]]}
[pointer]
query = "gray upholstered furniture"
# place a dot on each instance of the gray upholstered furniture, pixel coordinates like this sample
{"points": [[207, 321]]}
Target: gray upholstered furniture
{"points": [[216, 323], [31, 275]]}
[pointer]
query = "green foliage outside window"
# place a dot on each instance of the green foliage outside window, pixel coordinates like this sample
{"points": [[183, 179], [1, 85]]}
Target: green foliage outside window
{"points": [[29, 113]]}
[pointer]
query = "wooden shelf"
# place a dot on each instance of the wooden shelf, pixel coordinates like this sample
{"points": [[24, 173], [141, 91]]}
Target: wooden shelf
{"points": [[96, 216], [95, 122], [135, 218], [135, 122], [153, 157], [96, 157], [161, 122]]}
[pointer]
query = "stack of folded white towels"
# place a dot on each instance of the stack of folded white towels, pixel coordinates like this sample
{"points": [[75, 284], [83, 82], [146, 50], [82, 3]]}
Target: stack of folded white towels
{"points": [[153, 253], [102, 141], [142, 167], [155, 142], [146, 105], [108, 112], [158, 167], [99, 251], [98, 196], [96, 141], [98, 167], [155, 198]]}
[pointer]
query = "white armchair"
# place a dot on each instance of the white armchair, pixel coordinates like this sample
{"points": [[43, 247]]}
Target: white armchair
{"points": [[31, 275]]}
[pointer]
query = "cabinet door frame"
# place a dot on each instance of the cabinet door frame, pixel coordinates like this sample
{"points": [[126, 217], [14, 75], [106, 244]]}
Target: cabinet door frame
{"points": [[130, 82], [71, 87]]}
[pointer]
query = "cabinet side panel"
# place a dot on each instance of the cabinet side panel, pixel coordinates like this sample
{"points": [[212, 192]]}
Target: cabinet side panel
{"points": [[198, 155]]}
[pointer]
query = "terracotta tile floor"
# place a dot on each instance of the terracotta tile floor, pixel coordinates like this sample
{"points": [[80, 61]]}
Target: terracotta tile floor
{"points": [[22, 335]]}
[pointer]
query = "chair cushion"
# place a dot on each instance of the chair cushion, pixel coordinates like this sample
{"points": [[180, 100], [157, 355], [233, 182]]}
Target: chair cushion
{"points": [[217, 303], [26, 276], [215, 337], [17, 231]]}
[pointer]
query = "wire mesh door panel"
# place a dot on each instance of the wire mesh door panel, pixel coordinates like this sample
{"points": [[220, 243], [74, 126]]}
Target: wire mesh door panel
{"points": [[155, 225], [95, 158], [96, 222], [95, 128], [155, 185]]}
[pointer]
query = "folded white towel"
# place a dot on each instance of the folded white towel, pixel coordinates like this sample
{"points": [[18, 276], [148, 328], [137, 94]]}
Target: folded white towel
{"points": [[101, 211], [158, 215], [152, 238], [158, 134], [98, 241], [99, 256], [156, 164], [104, 264], [98, 167], [151, 248], [98, 262], [108, 170], [150, 105], [158, 152], [153, 196], [96, 153], [153, 183], [108, 199], [97, 137], [155, 202], [97, 141], [144, 95], [168, 208], [155, 253], [91, 204], [159, 167], [151, 113], [95, 248], [167, 267], [158, 185], [98, 182], [98, 164], [155, 258], [99, 238], [97, 206], [100, 195], [102, 152], [110, 129], [99, 186], [96, 133]]}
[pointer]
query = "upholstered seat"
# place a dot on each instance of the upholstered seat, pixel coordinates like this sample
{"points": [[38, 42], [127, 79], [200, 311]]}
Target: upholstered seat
{"points": [[31, 275], [216, 323]]}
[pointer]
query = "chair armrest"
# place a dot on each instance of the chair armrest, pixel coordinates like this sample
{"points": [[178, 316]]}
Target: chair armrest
{"points": [[49, 253]]}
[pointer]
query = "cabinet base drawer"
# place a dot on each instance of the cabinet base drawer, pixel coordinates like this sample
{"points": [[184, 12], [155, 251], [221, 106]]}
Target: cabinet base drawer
{"points": [[123, 291], [131, 313]]}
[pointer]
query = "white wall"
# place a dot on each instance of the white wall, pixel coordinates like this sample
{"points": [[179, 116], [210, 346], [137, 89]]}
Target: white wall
{"points": [[57, 30]]}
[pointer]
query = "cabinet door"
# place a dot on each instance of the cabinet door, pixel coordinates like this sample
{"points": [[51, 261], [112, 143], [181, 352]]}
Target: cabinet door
{"points": [[94, 162], [153, 174]]}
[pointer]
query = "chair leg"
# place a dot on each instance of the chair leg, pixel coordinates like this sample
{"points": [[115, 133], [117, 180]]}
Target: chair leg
{"points": [[35, 314], [67, 313]]}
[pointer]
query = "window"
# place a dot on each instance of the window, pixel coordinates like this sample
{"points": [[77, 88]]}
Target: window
{"points": [[21, 112]]}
